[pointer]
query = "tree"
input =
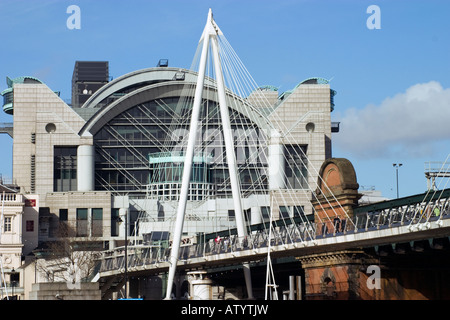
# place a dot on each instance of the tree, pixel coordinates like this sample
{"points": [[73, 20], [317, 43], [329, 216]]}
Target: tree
{"points": [[69, 258]]}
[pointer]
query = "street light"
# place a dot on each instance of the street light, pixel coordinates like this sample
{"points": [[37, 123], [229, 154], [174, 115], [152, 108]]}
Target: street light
{"points": [[126, 251], [12, 281], [396, 166], [126, 255]]}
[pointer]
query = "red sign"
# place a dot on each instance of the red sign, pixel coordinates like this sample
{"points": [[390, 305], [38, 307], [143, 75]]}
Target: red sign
{"points": [[30, 202]]}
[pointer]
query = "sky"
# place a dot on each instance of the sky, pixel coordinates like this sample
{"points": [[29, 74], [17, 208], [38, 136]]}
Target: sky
{"points": [[390, 65]]}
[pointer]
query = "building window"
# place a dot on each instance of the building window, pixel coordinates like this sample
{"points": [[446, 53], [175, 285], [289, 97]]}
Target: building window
{"points": [[265, 212], [231, 215], [97, 222], [63, 214], [115, 220], [295, 167], [65, 169], [299, 212], [82, 222], [7, 224], [284, 212], [30, 225]]}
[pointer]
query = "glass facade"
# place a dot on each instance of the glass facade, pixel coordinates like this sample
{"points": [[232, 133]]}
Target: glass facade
{"points": [[8, 98], [126, 146], [295, 168], [65, 169]]}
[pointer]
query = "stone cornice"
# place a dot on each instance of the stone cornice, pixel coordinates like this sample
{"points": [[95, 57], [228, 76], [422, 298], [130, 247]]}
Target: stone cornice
{"points": [[344, 257]]}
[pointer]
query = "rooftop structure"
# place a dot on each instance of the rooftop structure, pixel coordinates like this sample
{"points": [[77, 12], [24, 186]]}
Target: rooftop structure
{"points": [[7, 94], [88, 77], [436, 169]]}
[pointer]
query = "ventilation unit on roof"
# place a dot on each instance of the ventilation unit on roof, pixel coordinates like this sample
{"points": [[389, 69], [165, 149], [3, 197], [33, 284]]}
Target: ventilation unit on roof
{"points": [[163, 63]]}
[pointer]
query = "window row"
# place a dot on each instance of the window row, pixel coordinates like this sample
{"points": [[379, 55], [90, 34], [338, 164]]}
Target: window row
{"points": [[89, 221], [8, 225]]}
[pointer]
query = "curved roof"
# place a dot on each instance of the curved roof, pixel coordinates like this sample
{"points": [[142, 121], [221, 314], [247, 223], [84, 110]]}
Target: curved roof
{"points": [[25, 79], [160, 89], [314, 80], [142, 77]]}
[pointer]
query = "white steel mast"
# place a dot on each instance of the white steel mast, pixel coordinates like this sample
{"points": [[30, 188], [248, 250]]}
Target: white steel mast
{"points": [[231, 158], [210, 32]]}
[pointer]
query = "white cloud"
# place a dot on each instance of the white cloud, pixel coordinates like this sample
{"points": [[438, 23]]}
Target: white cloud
{"points": [[412, 123]]}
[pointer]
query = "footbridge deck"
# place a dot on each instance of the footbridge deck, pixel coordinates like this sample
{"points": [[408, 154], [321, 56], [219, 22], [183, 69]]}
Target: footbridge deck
{"points": [[415, 218]]}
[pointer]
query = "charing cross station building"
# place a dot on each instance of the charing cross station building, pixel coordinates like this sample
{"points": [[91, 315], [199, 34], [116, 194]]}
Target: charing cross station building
{"points": [[109, 164], [202, 170]]}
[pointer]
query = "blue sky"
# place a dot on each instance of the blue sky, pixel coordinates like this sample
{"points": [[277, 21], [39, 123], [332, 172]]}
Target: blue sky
{"points": [[393, 83]]}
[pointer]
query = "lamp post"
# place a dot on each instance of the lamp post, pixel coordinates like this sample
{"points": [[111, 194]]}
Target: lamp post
{"points": [[13, 282], [126, 251], [126, 255], [396, 166]]}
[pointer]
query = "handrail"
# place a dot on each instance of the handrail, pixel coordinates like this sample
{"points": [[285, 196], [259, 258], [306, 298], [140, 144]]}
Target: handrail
{"points": [[284, 234]]}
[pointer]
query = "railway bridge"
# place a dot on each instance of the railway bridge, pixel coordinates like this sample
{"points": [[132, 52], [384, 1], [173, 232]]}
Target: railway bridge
{"points": [[418, 224]]}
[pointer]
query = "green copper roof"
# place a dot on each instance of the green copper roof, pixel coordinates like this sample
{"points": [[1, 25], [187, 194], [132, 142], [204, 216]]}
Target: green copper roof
{"points": [[268, 88], [312, 80], [7, 94], [10, 82], [317, 80]]}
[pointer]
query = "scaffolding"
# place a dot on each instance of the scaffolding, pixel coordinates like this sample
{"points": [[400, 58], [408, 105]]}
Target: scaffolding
{"points": [[436, 169]]}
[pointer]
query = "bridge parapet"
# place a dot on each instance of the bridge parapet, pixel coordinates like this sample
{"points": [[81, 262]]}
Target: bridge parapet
{"points": [[412, 210], [381, 223]]}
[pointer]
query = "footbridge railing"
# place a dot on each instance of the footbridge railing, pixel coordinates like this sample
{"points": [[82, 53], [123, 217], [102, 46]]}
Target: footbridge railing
{"points": [[413, 214]]}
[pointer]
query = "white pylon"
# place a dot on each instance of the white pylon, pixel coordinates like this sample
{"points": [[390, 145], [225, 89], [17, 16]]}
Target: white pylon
{"points": [[231, 159], [210, 32]]}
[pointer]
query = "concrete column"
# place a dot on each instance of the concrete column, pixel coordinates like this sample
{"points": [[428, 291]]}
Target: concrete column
{"points": [[276, 161], [201, 285], [112, 244], [255, 215], [291, 288], [298, 281], [86, 168]]}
